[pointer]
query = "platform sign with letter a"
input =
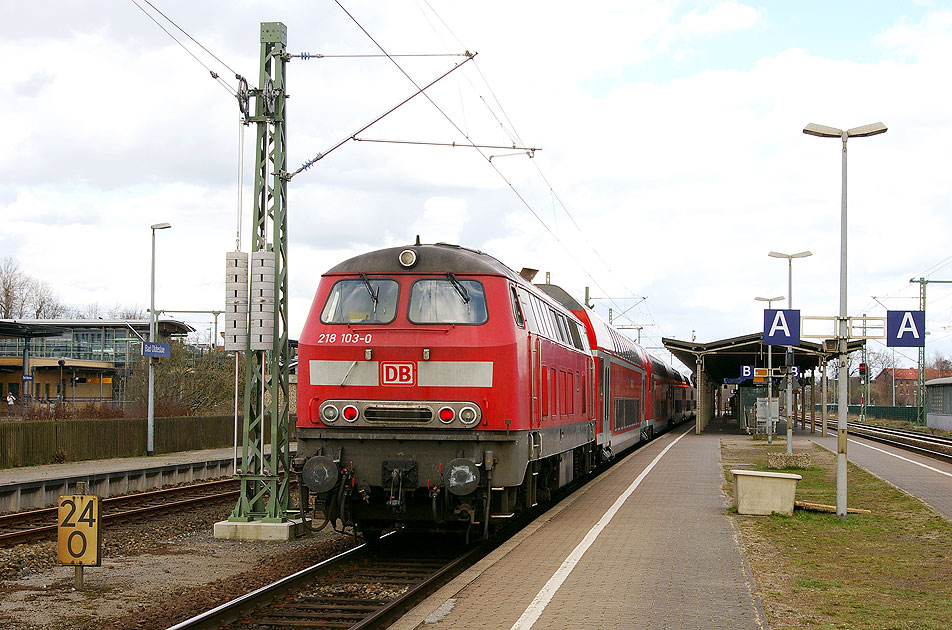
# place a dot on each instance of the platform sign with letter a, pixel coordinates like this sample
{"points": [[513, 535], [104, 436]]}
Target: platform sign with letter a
{"points": [[781, 327], [906, 329], [78, 539]]}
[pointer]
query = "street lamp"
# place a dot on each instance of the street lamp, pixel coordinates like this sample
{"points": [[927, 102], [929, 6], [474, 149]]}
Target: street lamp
{"points": [[770, 426], [823, 131], [150, 439], [789, 258]]}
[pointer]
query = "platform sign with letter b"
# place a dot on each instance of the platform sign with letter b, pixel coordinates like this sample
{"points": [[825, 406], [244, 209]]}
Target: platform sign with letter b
{"points": [[78, 539]]}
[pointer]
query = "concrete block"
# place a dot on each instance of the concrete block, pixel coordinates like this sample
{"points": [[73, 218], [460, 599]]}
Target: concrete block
{"points": [[256, 530], [762, 493]]}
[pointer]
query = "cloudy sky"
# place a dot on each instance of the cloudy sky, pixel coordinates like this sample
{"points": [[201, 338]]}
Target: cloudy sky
{"points": [[671, 160]]}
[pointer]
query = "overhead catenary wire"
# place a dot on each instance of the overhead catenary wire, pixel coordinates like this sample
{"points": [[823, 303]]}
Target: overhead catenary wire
{"points": [[514, 136], [487, 158], [211, 72], [519, 196]]}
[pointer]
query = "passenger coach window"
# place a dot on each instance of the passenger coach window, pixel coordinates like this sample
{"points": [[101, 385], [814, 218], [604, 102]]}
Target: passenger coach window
{"points": [[448, 301], [361, 301]]}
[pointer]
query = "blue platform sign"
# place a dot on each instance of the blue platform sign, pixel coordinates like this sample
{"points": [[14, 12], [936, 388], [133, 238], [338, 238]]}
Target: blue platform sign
{"points": [[155, 349], [906, 329], [781, 327]]}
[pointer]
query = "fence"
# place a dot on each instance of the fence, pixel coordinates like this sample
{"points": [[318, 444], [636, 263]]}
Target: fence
{"points": [[907, 414], [29, 443]]}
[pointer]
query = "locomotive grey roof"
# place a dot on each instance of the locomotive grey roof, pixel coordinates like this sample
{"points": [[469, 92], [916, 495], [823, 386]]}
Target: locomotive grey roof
{"points": [[438, 258]]}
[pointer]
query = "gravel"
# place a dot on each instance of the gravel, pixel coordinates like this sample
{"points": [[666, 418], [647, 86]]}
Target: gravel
{"points": [[154, 574]]}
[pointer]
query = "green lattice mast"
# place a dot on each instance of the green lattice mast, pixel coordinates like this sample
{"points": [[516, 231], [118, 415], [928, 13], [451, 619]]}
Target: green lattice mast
{"points": [[265, 476]]}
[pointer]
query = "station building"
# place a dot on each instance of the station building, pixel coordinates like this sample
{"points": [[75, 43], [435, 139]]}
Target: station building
{"points": [[75, 360], [939, 403]]}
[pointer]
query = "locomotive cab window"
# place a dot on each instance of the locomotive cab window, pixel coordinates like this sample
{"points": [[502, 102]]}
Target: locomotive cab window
{"points": [[516, 311], [361, 301], [448, 300]]}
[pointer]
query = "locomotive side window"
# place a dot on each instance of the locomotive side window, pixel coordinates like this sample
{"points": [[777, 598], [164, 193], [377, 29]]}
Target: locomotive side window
{"points": [[361, 301], [527, 313], [448, 301], [516, 311]]}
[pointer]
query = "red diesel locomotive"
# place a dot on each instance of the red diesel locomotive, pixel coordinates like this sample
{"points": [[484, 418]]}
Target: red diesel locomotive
{"points": [[437, 388]]}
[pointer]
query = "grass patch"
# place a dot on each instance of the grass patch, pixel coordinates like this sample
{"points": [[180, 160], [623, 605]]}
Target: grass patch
{"points": [[890, 570]]}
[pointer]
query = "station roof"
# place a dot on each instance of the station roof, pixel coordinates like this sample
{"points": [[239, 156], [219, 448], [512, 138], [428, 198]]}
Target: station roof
{"points": [[52, 327], [28, 330], [724, 358]]}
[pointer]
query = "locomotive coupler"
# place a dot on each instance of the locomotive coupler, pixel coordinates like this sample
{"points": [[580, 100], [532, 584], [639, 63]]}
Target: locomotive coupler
{"points": [[396, 501], [401, 474]]}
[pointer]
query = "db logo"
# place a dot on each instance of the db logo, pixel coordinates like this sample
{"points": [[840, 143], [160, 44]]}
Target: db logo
{"points": [[398, 373]]}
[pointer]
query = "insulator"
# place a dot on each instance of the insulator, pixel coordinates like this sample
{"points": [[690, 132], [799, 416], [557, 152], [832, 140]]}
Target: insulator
{"points": [[261, 301], [236, 301]]}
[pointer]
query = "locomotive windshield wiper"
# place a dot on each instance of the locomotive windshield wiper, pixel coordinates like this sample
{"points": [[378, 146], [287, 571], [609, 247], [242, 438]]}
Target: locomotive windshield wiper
{"points": [[459, 287], [370, 289]]}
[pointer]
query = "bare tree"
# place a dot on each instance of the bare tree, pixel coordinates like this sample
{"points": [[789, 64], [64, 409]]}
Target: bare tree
{"points": [[42, 301], [13, 284], [127, 312], [941, 365]]}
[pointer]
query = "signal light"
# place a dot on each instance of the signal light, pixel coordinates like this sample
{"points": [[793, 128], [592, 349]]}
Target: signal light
{"points": [[330, 413], [350, 413], [446, 415]]}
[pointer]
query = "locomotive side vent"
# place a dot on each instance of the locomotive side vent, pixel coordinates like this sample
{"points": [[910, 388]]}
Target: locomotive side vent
{"points": [[398, 414]]}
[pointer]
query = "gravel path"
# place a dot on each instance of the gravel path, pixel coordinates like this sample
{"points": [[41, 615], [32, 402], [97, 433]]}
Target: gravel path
{"points": [[153, 575]]}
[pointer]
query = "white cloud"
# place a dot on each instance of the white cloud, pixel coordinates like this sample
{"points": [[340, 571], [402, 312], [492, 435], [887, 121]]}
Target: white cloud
{"points": [[722, 18], [680, 186]]}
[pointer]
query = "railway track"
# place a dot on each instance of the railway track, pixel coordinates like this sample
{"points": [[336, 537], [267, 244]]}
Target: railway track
{"points": [[20, 527], [923, 443], [365, 588]]}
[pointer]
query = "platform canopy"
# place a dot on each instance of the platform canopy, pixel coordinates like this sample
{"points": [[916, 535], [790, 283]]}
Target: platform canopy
{"points": [[724, 358], [28, 330]]}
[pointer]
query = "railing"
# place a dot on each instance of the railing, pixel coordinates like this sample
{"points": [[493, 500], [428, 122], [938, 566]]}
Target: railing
{"points": [[907, 414]]}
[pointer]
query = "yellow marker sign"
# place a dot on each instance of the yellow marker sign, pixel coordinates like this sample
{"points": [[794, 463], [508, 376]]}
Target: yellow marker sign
{"points": [[78, 540]]}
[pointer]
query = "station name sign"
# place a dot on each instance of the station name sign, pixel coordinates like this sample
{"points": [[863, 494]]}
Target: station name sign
{"points": [[155, 349]]}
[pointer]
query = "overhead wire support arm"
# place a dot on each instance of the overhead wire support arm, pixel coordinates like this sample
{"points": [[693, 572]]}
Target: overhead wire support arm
{"points": [[309, 163], [465, 145], [306, 56]]}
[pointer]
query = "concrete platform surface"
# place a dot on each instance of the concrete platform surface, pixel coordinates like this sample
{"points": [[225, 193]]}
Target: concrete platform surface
{"points": [[646, 545]]}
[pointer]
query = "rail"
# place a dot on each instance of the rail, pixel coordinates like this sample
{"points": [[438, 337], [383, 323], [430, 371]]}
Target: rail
{"points": [[20, 527]]}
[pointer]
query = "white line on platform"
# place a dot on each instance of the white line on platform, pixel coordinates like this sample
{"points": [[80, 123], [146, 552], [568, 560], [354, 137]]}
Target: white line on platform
{"points": [[905, 459], [547, 592]]}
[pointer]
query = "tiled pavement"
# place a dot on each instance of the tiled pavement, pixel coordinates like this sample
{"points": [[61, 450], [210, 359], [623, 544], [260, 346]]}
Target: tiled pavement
{"points": [[670, 557]]}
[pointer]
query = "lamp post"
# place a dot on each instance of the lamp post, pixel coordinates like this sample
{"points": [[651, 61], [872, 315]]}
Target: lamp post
{"points": [[150, 439], [823, 131], [789, 363], [770, 426]]}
